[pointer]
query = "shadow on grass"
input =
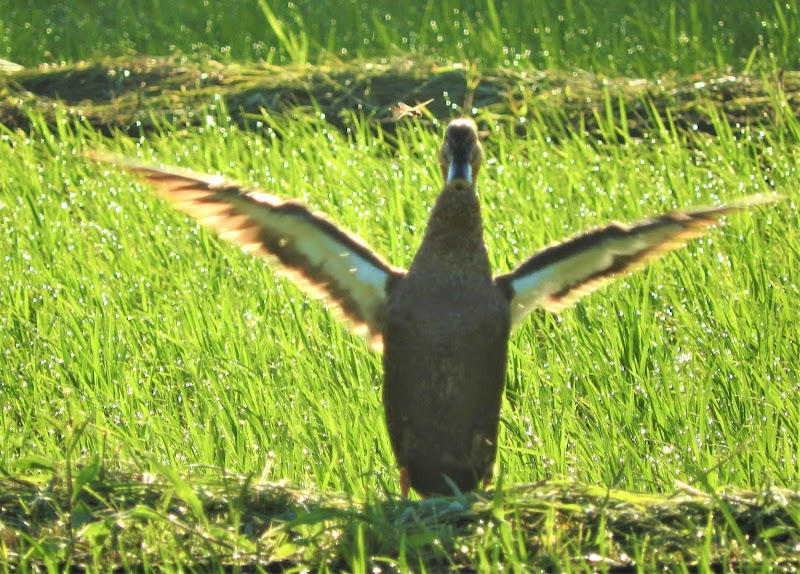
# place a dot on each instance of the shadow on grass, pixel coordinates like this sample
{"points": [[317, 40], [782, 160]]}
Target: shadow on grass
{"points": [[138, 95], [134, 520]]}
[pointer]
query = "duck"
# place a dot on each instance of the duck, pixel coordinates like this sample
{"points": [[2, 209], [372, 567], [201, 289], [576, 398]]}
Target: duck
{"points": [[443, 324]]}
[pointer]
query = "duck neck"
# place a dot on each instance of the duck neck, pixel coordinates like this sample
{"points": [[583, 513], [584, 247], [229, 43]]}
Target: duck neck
{"points": [[454, 234]]}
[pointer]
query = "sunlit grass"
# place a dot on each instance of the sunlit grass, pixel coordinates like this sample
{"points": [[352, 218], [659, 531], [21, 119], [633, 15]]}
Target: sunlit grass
{"points": [[156, 383], [618, 37], [179, 348], [167, 346]]}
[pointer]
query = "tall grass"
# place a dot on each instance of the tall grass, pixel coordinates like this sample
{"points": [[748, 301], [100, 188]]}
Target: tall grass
{"points": [[177, 349], [617, 37], [131, 338]]}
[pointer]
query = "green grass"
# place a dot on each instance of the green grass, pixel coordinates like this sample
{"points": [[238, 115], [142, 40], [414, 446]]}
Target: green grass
{"points": [[128, 333], [220, 523], [618, 37], [168, 401]]}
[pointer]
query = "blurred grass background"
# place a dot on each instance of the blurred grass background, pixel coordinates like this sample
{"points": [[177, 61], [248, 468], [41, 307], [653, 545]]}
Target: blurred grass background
{"points": [[615, 37]]}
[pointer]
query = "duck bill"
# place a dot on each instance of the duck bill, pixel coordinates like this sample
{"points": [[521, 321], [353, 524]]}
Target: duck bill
{"points": [[459, 171]]}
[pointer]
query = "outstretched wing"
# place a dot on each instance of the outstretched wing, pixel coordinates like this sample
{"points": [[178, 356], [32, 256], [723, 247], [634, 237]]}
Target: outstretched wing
{"points": [[560, 274], [328, 261]]}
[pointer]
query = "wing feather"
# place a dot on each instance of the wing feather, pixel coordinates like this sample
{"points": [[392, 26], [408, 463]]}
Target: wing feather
{"points": [[326, 260], [560, 274]]}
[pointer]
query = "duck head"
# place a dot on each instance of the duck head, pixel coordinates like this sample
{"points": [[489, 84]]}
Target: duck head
{"points": [[461, 154]]}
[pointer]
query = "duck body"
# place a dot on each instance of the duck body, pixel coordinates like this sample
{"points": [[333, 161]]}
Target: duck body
{"points": [[445, 352]]}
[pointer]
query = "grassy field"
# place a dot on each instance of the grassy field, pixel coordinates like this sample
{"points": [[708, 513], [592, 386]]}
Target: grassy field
{"points": [[138, 349], [621, 37]]}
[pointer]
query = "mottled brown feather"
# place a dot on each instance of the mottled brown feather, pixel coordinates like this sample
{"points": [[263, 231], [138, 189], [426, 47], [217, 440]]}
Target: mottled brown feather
{"points": [[326, 261], [560, 274]]}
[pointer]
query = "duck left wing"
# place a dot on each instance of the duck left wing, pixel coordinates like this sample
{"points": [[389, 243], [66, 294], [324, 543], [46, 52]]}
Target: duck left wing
{"points": [[326, 260], [560, 274]]}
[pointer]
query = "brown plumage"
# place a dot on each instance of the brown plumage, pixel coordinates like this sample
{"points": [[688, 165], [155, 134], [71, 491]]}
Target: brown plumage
{"points": [[444, 324]]}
